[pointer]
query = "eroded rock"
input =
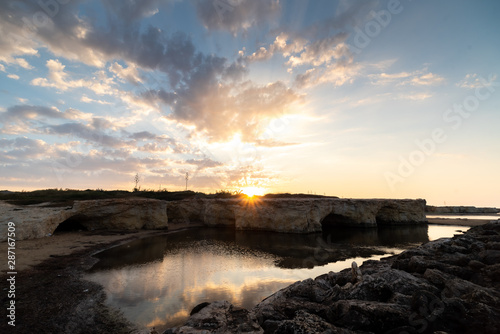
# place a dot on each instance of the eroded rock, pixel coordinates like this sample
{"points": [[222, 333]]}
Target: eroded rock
{"points": [[124, 214], [296, 215]]}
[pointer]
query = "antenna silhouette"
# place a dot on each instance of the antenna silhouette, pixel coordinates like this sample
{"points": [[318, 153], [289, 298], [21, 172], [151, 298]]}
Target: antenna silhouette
{"points": [[187, 178]]}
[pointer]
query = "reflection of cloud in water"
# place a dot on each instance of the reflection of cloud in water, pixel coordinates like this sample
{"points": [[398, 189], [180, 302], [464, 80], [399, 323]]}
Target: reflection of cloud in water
{"points": [[161, 292], [157, 281]]}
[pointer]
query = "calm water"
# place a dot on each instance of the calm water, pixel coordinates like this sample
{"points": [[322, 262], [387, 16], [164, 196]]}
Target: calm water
{"points": [[157, 281], [460, 216]]}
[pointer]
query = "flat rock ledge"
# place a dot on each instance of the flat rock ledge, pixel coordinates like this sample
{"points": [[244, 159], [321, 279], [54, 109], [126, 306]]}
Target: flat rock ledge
{"points": [[446, 286]]}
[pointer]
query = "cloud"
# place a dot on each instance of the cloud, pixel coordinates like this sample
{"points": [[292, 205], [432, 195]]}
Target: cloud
{"points": [[92, 134], [23, 63], [26, 112], [201, 88], [15, 40], [338, 74], [283, 44], [391, 96], [273, 143], [205, 163], [149, 142], [28, 118], [129, 74], [142, 135], [427, 79], [132, 10], [472, 81], [236, 15], [13, 76], [87, 99], [322, 51], [415, 78], [22, 148], [59, 79], [222, 110]]}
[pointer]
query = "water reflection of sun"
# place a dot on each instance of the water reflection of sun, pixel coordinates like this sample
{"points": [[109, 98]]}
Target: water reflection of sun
{"points": [[253, 191]]}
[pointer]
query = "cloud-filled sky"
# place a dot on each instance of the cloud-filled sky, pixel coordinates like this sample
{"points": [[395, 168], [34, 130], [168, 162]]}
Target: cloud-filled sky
{"points": [[356, 99]]}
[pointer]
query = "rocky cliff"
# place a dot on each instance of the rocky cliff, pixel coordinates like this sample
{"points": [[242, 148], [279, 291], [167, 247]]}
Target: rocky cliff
{"points": [[290, 215], [447, 286], [38, 221], [294, 215]]}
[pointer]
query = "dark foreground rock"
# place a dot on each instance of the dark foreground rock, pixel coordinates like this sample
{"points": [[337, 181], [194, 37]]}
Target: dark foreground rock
{"points": [[449, 285]]}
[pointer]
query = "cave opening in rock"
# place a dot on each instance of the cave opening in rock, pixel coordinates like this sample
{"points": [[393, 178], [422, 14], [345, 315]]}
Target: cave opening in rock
{"points": [[69, 225], [334, 220]]}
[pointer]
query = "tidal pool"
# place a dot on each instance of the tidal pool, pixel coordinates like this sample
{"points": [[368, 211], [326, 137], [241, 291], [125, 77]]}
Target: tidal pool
{"points": [[157, 281]]}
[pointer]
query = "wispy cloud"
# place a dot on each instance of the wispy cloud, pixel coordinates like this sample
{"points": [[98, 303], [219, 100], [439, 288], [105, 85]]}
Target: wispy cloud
{"points": [[236, 16], [472, 81], [416, 78]]}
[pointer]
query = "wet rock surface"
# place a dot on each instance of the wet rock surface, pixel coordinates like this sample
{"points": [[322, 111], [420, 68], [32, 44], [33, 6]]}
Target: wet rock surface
{"points": [[448, 285]]}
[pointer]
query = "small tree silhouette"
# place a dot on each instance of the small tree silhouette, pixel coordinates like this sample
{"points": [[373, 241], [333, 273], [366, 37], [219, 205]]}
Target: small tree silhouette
{"points": [[136, 180]]}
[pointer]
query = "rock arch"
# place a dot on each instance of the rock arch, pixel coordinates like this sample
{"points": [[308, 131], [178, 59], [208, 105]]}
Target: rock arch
{"points": [[73, 223], [333, 220]]}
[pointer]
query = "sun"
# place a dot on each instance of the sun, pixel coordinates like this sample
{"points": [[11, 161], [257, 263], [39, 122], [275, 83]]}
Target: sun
{"points": [[253, 191]]}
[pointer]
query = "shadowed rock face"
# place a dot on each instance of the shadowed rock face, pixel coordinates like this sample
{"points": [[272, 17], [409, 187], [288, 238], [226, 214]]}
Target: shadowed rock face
{"points": [[297, 215], [448, 285]]}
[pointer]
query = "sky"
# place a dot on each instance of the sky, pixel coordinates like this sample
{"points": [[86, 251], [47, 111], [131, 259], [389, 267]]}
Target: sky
{"points": [[356, 99]]}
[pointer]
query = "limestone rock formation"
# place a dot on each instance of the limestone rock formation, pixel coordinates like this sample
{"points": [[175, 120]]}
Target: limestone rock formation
{"points": [[31, 221], [448, 285], [296, 215], [290, 215], [209, 212], [126, 214]]}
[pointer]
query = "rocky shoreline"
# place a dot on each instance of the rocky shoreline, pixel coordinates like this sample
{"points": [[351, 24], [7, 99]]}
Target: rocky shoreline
{"points": [[449, 285]]}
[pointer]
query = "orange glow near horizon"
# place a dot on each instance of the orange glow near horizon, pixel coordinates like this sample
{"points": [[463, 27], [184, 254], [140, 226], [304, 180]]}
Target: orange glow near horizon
{"points": [[253, 191]]}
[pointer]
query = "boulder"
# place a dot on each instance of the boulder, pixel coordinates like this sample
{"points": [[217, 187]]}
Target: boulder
{"points": [[219, 317]]}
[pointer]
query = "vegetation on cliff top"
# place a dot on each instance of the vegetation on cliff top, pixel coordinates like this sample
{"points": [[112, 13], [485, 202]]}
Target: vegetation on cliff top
{"points": [[59, 197]]}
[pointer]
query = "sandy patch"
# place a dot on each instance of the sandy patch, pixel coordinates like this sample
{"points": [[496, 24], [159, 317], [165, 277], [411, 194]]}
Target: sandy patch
{"points": [[31, 252]]}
